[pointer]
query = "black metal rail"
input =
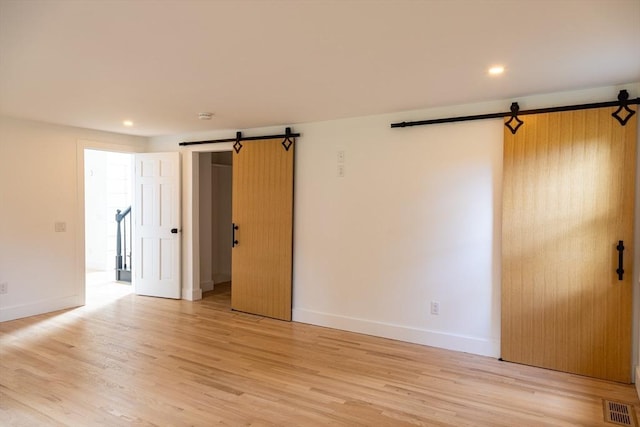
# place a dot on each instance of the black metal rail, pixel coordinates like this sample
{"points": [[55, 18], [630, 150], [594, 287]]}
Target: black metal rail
{"points": [[239, 138], [622, 102]]}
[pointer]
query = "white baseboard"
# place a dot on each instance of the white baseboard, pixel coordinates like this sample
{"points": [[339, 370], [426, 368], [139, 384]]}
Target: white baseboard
{"points": [[206, 286], [638, 380], [39, 307], [191, 294], [483, 347], [221, 278]]}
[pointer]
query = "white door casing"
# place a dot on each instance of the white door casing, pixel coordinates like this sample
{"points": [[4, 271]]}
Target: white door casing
{"points": [[156, 230]]}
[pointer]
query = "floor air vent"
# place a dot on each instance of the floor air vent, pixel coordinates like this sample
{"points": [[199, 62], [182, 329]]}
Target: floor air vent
{"points": [[619, 413]]}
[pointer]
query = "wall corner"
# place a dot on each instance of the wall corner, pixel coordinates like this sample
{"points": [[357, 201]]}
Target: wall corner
{"points": [[191, 294]]}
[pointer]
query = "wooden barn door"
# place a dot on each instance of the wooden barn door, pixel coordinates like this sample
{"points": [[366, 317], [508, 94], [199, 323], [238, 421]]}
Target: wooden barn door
{"points": [[261, 262], [568, 199]]}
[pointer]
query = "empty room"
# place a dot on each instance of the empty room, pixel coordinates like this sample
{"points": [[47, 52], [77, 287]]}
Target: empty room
{"points": [[312, 212]]}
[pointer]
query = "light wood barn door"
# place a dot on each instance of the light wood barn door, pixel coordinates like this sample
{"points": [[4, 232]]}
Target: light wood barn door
{"points": [[261, 264], [568, 198]]}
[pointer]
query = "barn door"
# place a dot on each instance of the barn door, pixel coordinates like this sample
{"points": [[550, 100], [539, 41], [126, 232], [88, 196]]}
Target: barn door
{"points": [[262, 212], [568, 201]]}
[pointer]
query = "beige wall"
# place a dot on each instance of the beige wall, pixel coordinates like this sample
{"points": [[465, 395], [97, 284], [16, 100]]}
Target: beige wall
{"points": [[415, 219], [40, 185], [221, 227], [205, 194]]}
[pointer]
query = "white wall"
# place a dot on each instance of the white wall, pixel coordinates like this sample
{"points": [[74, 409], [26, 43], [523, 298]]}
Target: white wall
{"points": [[415, 219], [107, 179], [119, 197], [221, 176], [95, 181], [205, 212], [40, 185]]}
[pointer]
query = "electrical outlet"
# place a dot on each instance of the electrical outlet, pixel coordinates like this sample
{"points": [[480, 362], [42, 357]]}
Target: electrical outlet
{"points": [[60, 226], [340, 171], [4, 288], [341, 156], [435, 308]]}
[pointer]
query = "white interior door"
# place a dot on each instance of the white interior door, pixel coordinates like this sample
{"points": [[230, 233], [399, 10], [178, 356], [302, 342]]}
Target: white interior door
{"points": [[156, 231]]}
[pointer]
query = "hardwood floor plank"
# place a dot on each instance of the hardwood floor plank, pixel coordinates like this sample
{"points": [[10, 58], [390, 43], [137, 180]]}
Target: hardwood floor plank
{"points": [[144, 361]]}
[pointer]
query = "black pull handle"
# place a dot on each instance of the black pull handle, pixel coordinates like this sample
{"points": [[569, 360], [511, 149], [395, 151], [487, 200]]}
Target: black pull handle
{"points": [[234, 242], [620, 269], [174, 231]]}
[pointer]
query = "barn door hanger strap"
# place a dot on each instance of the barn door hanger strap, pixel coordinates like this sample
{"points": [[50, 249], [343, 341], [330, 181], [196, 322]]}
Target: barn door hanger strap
{"points": [[514, 119], [623, 99], [238, 145], [622, 114], [287, 142], [288, 138]]}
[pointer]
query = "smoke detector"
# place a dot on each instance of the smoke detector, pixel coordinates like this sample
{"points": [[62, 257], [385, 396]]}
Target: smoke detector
{"points": [[205, 116]]}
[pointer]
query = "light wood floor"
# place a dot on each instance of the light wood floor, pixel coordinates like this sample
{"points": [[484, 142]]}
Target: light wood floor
{"points": [[145, 361]]}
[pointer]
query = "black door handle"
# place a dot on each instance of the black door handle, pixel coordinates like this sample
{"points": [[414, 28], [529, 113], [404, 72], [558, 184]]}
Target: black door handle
{"points": [[620, 269], [234, 242], [174, 231]]}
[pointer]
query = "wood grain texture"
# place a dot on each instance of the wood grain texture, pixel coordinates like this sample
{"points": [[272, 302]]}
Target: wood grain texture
{"points": [[147, 361], [568, 197], [261, 265]]}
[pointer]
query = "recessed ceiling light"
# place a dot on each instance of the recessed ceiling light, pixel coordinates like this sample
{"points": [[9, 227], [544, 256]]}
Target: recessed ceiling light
{"points": [[496, 70], [127, 123], [205, 116]]}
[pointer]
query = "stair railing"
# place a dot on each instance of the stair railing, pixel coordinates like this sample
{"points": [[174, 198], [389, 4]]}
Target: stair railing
{"points": [[123, 269]]}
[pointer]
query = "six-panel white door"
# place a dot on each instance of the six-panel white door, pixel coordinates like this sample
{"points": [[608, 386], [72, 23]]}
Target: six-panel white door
{"points": [[156, 215]]}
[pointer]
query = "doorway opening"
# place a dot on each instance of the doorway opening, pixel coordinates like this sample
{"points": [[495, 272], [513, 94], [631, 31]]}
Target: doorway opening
{"points": [[108, 197], [215, 231]]}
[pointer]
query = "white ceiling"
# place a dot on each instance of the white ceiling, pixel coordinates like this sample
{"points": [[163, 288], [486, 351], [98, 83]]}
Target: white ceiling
{"points": [[259, 63]]}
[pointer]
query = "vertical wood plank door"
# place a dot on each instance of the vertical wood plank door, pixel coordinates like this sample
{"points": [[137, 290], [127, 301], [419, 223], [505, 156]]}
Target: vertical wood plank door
{"points": [[568, 198], [262, 209]]}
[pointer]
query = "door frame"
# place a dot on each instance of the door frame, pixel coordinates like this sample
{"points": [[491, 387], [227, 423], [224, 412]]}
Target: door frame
{"points": [[191, 219], [635, 307], [81, 145]]}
